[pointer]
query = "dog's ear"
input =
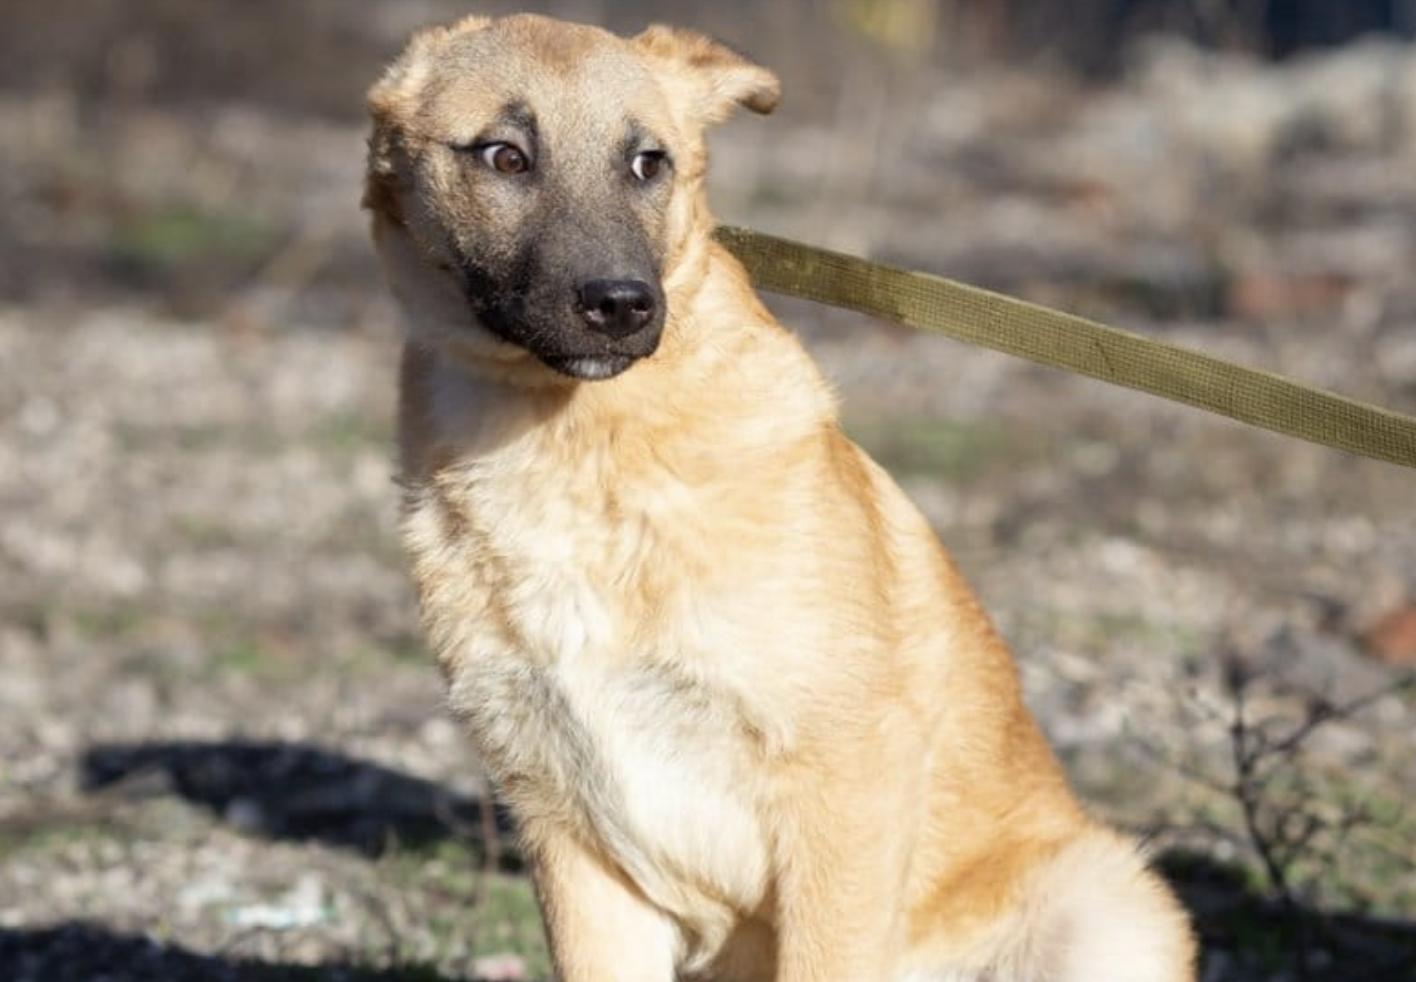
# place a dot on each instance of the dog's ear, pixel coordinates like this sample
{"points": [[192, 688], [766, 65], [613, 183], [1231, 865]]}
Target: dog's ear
{"points": [[709, 76], [402, 82], [393, 99]]}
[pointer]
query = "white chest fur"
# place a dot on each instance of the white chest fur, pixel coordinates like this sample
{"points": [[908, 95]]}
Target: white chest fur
{"points": [[529, 586], [642, 761]]}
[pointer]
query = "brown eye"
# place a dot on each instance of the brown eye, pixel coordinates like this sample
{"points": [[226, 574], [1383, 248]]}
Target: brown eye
{"points": [[647, 165], [505, 158]]}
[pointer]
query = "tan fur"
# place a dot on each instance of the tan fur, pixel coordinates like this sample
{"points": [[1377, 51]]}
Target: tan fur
{"points": [[751, 721]]}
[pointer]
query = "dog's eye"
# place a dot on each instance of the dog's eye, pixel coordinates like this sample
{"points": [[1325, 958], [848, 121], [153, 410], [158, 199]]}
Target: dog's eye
{"points": [[504, 158], [647, 164]]}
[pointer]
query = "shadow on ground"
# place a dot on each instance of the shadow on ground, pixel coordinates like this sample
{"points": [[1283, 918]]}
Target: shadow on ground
{"points": [[300, 793], [1246, 934], [75, 952], [303, 793]]}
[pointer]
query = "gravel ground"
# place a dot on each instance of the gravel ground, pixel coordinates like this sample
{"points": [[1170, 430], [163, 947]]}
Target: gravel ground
{"points": [[223, 753]]}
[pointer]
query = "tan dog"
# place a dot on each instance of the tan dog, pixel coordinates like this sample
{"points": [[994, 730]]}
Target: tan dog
{"points": [[750, 720]]}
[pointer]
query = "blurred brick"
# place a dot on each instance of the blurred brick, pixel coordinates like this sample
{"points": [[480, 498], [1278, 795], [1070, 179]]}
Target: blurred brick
{"points": [[1392, 638], [1266, 295]]}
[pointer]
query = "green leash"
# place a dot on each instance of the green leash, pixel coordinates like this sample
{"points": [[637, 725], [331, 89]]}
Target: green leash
{"points": [[1050, 337]]}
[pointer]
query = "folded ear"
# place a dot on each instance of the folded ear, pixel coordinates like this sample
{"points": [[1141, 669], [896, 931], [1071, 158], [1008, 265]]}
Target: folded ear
{"points": [[711, 77], [402, 81], [392, 101]]}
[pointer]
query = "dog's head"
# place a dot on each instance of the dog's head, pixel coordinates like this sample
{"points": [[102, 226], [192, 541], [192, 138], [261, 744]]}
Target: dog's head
{"points": [[533, 183]]}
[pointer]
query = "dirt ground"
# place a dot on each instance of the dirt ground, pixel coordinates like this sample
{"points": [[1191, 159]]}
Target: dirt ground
{"points": [[223, 751]]}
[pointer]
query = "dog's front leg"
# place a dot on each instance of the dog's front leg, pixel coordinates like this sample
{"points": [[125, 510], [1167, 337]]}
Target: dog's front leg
{"points": [[599, 927], [841, 854]]}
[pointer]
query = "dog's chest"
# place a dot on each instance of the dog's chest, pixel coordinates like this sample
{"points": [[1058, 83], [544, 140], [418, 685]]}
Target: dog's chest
{"points": [[649, 765], [575, 709]]}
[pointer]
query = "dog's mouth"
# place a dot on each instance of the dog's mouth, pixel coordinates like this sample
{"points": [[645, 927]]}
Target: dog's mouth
{"points": [[555, 338], [589, 368], [548, 346], [594, 366]]}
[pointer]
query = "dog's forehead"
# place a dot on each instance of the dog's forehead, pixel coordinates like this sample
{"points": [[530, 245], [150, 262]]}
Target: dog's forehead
{"points": [[569, 78]]}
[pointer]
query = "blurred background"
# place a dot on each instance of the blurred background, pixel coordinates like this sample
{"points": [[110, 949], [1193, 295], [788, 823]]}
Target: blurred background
{"points": [[223, 753]]}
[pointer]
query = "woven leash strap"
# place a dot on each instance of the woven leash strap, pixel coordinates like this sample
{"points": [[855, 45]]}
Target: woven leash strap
{"points": [[1050, 337]]}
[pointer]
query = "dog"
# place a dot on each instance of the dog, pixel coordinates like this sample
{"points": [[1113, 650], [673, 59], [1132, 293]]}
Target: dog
{"points": [[749, 718]]}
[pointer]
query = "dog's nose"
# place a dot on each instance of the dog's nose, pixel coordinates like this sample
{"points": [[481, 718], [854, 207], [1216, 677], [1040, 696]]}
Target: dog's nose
{"points": [[616, 307]]}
